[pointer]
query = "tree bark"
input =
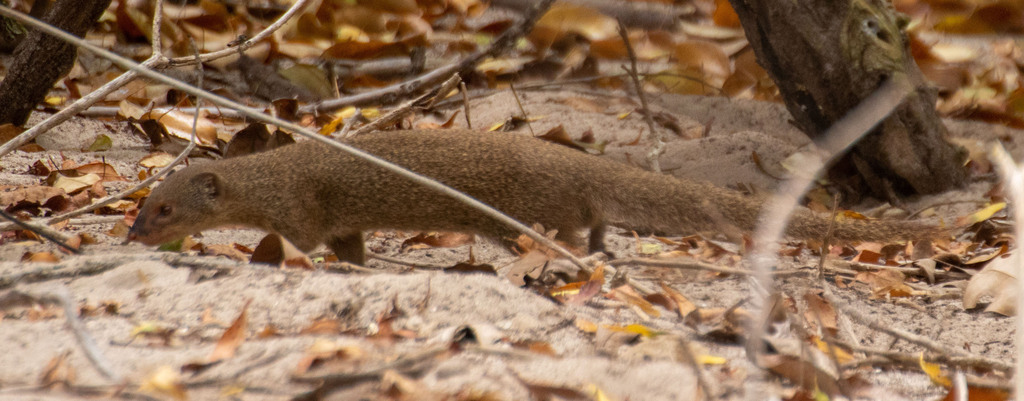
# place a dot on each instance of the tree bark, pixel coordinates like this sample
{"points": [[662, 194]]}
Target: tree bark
{"points": [[828, 55], [40, 60]]}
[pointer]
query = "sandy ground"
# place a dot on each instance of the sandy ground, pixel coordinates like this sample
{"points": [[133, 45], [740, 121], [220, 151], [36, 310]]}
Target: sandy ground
{"points": [[194, 300]]}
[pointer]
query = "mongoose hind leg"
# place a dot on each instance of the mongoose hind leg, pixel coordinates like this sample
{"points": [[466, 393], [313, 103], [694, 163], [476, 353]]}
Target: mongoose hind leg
{"points": [[595, 243], [348, 247]]}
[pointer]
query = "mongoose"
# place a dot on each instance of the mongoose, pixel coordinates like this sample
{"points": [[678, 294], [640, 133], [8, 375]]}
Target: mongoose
{"points": [[312, 194]]}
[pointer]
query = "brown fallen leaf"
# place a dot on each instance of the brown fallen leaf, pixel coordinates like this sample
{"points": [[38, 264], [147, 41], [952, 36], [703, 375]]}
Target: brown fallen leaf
{"points": [[437, 240], [886, 283], [232, 338], [228, 251], [589, 289], [40, 257], [821, 313], [58, 372], [628, 295], [999, 280], [275, 250], [105, 171]]}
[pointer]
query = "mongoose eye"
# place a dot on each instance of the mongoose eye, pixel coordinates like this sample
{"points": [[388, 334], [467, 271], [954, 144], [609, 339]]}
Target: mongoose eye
{"points": [[165, 210]]}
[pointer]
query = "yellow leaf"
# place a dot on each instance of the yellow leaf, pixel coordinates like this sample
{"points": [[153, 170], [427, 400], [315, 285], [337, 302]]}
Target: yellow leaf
{"points": [[635, 329], [146, 328], [596, 393], [166, 380], [55, 100], [101, 143], [339, 118], [850, 215], [841, 355], [983, 214], [650, 249], [934, 372], [502, 65], [586, 326], [349, 33], [711, 360], [568, 289]]}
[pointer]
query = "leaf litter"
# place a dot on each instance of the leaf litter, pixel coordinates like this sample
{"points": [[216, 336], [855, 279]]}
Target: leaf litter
{"points": [[988, 93]]}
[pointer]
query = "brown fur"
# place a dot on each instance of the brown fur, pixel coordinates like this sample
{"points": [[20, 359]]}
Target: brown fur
{"points": [[311, 194]]}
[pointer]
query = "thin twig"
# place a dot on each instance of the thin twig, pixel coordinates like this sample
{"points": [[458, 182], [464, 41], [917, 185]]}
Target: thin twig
{"points": [[522, 110], [259, 116], [843, 266], [967, 362], [442, 92], [824, 251], [465, 103], [85, 340], [685, 353], [81, 221], [401, 111], [408, 263], [657, 142], [329, 382], [42, 231], [88, 265], [245, 45], [698, 265], [775, 215], [60, 296], [157, 44], [943, 350], [153, 178], [401, 90], [155, 61]]}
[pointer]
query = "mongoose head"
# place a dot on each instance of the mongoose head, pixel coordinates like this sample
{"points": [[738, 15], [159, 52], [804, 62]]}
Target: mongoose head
{"points": [[187, 202]]}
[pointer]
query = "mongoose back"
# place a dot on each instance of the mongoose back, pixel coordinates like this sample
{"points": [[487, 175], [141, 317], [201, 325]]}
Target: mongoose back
{"points": [[312, 194]]}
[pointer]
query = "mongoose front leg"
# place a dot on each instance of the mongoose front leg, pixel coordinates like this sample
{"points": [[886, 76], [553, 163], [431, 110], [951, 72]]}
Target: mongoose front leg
{"points": [[348, 247]]}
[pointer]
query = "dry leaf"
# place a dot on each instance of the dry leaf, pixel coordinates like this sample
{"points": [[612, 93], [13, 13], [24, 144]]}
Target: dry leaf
{"points": [[40, 257], [156, 159], [232, 338], [998, 280], [73, 184], [564, 18], [275, 250], [437, 240], [822, 313], [630, 296], [589, 289], [58, 371]]}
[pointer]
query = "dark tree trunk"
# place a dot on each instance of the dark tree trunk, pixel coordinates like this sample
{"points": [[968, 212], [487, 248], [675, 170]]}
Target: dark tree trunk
{"points": [[826, 56], [40, 60]]}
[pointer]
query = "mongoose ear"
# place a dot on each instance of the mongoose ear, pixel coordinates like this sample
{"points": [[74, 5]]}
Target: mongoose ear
{"points": [[208, 184]]}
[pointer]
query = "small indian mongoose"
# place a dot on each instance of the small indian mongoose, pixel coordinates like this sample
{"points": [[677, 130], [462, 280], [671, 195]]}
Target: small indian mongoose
{"points": [[312, 194]]}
